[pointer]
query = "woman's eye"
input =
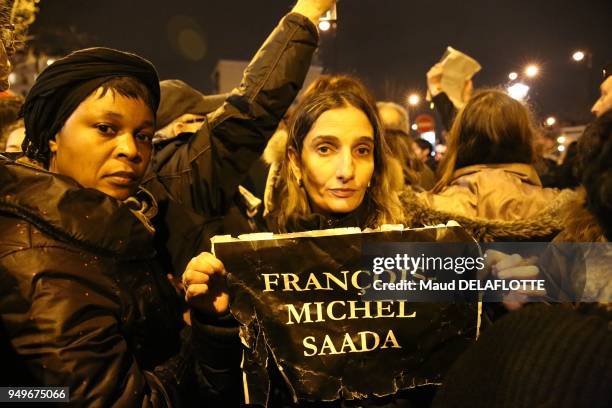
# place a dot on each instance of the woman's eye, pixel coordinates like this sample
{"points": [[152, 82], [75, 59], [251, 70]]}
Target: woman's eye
{"points": [[105, 129], [363, 151], [144, 137], [324, 149]]}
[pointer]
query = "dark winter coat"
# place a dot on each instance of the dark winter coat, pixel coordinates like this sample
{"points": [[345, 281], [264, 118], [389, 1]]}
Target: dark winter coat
{"points": [[83, 303], [86, 304]]}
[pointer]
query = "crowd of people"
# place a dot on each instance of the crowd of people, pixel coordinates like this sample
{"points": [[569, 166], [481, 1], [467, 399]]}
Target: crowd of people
{"points": [[112, 184]]}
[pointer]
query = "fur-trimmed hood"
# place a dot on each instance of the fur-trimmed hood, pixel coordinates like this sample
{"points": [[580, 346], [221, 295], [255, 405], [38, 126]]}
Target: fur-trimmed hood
{"points": [[541, 227]]}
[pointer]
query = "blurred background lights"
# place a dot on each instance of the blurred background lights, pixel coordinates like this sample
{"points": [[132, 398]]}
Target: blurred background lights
{"points": [[324, 25], [518, 91], [414, 99], [532, 70], [578, 56]]}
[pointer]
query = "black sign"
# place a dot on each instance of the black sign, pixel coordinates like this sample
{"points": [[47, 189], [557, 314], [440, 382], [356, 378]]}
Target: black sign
{"points": [[300, 299]]}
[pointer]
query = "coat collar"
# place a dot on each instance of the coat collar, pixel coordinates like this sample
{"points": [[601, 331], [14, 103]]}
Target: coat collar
{"points": [[542, 226], [83, 217], [525, 172]]}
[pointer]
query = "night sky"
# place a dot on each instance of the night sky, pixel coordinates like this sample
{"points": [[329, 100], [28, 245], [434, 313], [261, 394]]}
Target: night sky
{"points": [[390, 44]]}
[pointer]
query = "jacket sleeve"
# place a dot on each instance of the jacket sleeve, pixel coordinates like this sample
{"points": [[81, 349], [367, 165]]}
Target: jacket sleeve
{"points": [[66, 330], [446, 109], [205, 173], [218, 352]]}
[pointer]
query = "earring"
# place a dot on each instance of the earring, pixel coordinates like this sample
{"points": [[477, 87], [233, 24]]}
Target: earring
{"points": [[300, 182], [369, 183]]}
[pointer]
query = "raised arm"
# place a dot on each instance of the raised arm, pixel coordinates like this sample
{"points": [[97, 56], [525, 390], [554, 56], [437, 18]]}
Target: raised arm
{"points": [[206, 172]]}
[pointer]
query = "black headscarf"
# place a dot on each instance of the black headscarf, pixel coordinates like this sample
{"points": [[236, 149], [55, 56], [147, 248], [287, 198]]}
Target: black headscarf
{"points": [[62, 86]]}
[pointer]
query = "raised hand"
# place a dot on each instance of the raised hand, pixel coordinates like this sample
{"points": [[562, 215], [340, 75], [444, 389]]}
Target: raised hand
{"points": [[313, 9]]}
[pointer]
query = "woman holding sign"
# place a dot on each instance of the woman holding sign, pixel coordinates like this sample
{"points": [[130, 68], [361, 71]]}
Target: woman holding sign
{"points": [[335, 171]]}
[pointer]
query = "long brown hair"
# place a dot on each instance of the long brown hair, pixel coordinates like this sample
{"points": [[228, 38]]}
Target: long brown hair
{"points": [[386, 183], [492, 128]]}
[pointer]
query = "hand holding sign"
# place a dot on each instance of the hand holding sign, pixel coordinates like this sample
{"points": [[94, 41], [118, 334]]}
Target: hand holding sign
{"points": [[205, 285]]}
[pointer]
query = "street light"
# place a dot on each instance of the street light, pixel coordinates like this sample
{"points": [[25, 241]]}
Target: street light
{"points": [[578, 56], [532, 70], [518, 91], [324, 25], [583, 56], [414, 99], [512, 76], [550, 121], [561, 140]]}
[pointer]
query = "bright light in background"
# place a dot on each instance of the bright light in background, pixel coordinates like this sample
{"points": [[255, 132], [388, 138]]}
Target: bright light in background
{"points": [[578, 56], [551, 120], [50, 61], [518, 91], [430, 137], [532, 70], [414, 126], [414, 99], [561, 139], [12, 78], [513, 76], [324, 25], [561, 148]]}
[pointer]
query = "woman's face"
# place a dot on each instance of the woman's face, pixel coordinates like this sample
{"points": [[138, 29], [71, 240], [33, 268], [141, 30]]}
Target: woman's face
{"points": [[337, 160], [105, 144]]}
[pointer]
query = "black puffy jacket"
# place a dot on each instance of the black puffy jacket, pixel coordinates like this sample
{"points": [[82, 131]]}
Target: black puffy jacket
{"points": [[83, 302], [86, 304]]}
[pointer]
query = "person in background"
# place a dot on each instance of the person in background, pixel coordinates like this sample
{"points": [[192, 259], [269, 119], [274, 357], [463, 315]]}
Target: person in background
{"points": [[182, 110], [395, 121], [204, 173], [425, 152], [182, 113], [604, 103], [9, 122], [566, 173], [487, 171], [441, 102], [523, 357], [422, 149], [393, 116], [583, 272], [546, 160]]}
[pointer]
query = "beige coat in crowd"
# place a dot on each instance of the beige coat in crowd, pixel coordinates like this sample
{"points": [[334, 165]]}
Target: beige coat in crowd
{"points": [[506, 192]]}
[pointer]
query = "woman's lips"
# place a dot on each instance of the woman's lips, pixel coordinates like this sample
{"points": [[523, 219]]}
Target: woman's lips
{"points": [[342, 192], [122, 178]]}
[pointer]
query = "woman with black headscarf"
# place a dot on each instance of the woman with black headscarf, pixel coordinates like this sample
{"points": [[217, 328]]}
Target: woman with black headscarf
{"points": [[84, 300]]}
